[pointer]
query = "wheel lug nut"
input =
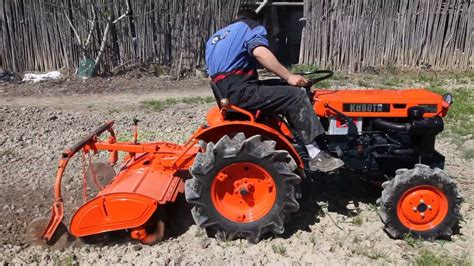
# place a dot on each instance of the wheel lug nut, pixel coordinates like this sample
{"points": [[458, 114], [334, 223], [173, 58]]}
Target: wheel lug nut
{"points": [[422, 214], [244, 192], [422, 201], [414, 209], [429, 207]]}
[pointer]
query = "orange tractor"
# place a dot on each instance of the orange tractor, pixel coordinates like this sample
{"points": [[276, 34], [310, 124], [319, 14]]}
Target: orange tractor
{"points": [[244, 172]]}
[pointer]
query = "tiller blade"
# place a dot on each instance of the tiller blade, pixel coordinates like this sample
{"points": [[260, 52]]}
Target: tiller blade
{"points": [[132, 200]]}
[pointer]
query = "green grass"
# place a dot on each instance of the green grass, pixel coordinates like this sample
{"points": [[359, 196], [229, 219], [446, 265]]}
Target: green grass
{"points": [[391, 68], [463, 77], [427, 78], [469, 75], [363, 83], [358, 220], [437, 86], [468, 153], [412, 242], [429, 258], [160, 105], [67, 260], [371, 253], [459, 121], [391, 81], [339, 76], [199, 232], [279, 249], [373, 207], [305, 68], [199, 99], [127, 136], [375, 254]]}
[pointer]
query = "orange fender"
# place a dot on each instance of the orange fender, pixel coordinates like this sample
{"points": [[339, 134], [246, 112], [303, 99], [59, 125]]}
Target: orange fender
{"points": [[215, 132]]}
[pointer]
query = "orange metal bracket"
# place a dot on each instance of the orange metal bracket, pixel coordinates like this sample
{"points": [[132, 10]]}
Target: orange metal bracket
{"points": [[226, 107], [57, 210]]}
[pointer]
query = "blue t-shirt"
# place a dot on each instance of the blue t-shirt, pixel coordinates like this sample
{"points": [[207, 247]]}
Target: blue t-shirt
{"points": [[231, 48]]}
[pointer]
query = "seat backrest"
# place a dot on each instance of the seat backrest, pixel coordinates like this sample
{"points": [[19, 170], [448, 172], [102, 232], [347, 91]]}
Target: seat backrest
{"points": [[229, 114], [217, 94]]}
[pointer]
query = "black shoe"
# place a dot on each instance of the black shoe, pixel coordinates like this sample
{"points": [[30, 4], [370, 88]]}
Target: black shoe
{"points": [[324, 162]]}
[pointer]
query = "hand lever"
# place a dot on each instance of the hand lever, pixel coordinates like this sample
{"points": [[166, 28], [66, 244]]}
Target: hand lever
{"points": [[135, 130], [352, 128]]}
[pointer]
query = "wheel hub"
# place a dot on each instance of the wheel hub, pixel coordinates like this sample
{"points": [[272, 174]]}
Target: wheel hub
{"points": [[422, 208], [243, 192]]}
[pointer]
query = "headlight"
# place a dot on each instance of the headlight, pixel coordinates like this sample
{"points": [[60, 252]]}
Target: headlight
{"points": [[448, 98]]}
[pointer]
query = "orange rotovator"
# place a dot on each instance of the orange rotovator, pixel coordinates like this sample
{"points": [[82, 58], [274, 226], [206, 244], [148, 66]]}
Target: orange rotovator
{"points": [[147, 180]]}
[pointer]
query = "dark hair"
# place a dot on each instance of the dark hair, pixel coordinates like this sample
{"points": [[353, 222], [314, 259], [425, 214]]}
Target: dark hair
{"points": [[247, 13]]}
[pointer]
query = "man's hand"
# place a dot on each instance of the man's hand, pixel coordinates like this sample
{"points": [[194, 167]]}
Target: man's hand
{"points": [[265, 57], [297, 80]]}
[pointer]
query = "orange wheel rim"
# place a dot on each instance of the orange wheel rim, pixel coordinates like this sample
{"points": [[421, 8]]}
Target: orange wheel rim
{"points": [[422, 208], [243, 192]]}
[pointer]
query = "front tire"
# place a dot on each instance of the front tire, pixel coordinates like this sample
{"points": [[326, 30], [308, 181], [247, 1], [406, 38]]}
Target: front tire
{"points": [[242, 187], [421, 202]]}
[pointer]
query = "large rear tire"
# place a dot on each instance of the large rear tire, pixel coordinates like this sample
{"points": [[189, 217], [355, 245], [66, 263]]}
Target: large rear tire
{"points": [[421, 202], [242, 188]]}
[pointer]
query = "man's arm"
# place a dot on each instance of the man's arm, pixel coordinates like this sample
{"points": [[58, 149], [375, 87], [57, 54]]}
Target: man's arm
{"points": [[265, 57]]}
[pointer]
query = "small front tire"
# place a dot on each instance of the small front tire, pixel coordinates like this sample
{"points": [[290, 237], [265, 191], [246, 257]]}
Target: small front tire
{"points": [[421, 202]]}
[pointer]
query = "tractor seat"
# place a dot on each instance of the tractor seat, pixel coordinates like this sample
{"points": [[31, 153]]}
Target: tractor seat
{"points": [[229, 114]]}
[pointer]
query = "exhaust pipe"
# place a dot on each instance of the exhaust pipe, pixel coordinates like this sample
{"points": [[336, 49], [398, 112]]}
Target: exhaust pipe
{"points": [[391, 125]]}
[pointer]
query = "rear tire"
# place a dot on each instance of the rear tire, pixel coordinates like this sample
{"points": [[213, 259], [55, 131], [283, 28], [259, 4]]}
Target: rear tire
{"points": [[421, 202], [245, 170]]}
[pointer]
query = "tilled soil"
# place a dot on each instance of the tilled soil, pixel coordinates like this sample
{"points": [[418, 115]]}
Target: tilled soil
{"points": [[340, 226]]}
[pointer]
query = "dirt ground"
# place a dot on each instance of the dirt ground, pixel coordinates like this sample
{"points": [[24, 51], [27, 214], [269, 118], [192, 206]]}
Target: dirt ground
{"points": [[38, 121]]}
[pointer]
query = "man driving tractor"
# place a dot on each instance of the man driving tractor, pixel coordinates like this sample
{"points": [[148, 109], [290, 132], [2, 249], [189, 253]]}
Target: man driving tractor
{"points": [[232, 54]]}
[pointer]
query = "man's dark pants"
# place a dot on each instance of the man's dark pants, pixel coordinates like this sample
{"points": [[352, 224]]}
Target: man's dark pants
{"points": [[292, 102]]}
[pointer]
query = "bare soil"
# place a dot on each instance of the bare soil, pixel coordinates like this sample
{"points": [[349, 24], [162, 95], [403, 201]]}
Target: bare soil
{"points": [[339, 226]]}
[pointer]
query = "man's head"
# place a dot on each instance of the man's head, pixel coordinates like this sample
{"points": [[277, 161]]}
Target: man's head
{"points": [[247, 13]]}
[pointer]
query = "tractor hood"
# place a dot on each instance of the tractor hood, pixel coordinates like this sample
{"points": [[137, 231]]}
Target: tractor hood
{"points": [[378, 103]]}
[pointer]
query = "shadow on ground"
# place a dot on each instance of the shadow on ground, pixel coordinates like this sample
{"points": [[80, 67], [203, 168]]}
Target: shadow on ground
{"points": [[342, 194]]}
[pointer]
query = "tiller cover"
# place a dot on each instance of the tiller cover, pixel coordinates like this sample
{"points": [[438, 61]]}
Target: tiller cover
{"points": [[148, 178]]}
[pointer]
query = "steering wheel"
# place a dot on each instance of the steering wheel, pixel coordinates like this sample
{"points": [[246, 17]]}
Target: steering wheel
{"points": [[311, 82]]}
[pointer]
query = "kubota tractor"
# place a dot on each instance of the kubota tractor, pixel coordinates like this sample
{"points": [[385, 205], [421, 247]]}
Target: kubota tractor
{"points": [[243, 172]]}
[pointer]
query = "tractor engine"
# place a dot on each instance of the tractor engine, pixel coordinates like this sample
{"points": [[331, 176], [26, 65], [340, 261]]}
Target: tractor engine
{"points": [[377, 132]]}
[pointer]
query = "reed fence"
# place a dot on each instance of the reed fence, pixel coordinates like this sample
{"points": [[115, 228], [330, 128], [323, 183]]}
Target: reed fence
{"points": [[36, 34], [353, 34], [339, 34]]}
